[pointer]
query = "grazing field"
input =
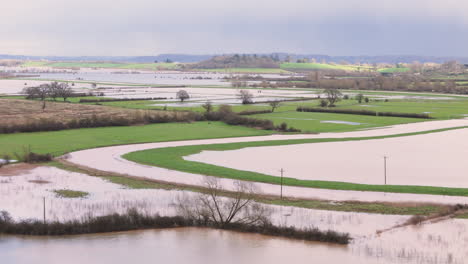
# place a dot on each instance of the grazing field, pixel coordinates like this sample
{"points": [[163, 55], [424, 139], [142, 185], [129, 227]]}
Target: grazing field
{"points": [[393, 70], [15, 111], [61, 142], [330, 122]]}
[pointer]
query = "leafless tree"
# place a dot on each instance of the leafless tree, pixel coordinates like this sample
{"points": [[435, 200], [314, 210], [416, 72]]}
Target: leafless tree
{"points": [[274, 104], [64, 91], [41, 92], [246, 96], [212, 207], [333, 96], [182, 95]]}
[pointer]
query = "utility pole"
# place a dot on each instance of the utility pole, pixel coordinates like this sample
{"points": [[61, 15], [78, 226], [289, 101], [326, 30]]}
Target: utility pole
{"points": [[43, 202], [385, 169], [281, 194]]}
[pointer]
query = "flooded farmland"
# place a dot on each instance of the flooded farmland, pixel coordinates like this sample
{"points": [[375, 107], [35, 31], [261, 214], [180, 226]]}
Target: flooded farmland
{"points": [[376, 237]]}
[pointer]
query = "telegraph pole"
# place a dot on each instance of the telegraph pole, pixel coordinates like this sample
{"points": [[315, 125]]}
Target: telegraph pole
{"points": [[385, 169], [43, 202], [281, 194]]}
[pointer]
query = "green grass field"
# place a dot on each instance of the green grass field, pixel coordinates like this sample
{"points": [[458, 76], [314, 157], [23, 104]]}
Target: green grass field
{"points": [[393, 70], [61, 142], [330, 122], [172, 158]]}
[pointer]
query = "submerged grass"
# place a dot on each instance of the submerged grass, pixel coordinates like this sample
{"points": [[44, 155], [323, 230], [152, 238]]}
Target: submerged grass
{"points": [[172, 158], [66, 193], [346, 206]]}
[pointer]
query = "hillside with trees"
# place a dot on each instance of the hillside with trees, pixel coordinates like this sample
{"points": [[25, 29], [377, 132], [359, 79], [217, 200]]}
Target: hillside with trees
{"points": [[239, 61]]}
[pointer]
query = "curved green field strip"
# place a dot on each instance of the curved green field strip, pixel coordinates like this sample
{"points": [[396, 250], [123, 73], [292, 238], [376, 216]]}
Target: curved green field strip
{"points": [[172, 158]]}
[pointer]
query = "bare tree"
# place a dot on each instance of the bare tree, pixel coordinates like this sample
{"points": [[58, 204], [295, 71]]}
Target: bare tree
{"points": [[246, 96], [333, 96], [41, 92], [211, 207], [64, 91], [274, 104], [54, 90], [182, 95]]}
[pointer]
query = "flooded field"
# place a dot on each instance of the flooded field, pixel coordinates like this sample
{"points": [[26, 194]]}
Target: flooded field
{"points": [[21, 194], [182, 245], [436, 159], [109, 159]]}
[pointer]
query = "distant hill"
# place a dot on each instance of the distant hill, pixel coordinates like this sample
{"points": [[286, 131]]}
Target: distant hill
{"points": [[189, 58]]}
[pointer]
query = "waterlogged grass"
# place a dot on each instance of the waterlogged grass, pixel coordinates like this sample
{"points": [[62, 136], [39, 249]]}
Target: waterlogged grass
{"points": [[66, 193], [362, 207], [172, 158], [61, 142], [347, 206]]}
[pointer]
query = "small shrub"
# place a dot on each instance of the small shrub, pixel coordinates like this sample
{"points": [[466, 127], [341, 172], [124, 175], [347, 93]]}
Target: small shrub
{"points": [[254, 112], [323, 103]]}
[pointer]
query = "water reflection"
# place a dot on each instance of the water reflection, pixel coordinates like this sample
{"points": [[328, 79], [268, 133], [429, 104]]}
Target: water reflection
{"points": [[183, 245]]}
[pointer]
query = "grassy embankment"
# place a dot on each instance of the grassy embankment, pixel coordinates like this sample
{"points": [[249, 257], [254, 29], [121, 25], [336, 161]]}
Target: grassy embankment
{"points": [[172, 158]]}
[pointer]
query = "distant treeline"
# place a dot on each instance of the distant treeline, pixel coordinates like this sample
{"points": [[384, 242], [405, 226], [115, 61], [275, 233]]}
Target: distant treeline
{"points": [[237, 61], [361, 112], [406, 83], [224, 114]]}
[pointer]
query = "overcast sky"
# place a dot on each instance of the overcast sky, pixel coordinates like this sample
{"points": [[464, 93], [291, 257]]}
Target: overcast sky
{"points": [[150, 27]]}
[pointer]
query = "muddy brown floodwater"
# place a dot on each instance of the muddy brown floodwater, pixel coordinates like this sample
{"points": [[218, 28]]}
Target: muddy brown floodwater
{"points": [[181, 245]]}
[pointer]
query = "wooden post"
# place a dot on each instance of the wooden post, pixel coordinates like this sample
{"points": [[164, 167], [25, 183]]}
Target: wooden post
{"points": [[385, 170], [281, 193]]}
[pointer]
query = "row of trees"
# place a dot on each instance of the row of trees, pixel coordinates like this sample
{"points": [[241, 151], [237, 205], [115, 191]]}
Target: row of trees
{"points": [[52, 90]]}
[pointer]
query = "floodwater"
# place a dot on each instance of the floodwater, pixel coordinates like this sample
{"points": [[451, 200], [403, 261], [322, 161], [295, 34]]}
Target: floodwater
{"points": [[22, 196], [206, 246], [441, 242], [174, 78], [109, 159], [181, 245], [436, 159]]}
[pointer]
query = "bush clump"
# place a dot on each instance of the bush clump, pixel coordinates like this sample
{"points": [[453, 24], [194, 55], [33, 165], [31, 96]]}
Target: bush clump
{"points": [[133, 220], [362, 112]]}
